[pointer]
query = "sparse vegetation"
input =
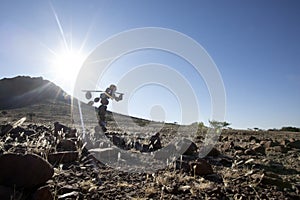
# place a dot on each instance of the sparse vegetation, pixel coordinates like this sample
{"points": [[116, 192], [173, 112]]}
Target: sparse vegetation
{"points": [[263, 166], [140, 122], [166, 183], [290, 128], [218, 125]]}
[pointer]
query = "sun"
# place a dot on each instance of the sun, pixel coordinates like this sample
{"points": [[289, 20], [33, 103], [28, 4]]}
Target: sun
{"points": [[66, 65], [67, 59], [68, 62]]}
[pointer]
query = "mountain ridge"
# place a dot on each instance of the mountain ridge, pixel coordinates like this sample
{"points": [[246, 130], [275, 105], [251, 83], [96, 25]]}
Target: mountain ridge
{"points": [[25, 94], [20, 91]]}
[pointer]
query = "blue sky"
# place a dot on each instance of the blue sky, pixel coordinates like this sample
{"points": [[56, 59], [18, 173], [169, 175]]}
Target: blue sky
{"points": [[255, 45]]}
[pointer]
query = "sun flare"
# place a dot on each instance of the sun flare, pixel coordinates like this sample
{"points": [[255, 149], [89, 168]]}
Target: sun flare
{"points": [[66, 66]]}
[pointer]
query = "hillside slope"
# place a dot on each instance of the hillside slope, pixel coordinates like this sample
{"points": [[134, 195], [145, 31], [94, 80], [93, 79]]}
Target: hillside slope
{"points": [[23, 91]]}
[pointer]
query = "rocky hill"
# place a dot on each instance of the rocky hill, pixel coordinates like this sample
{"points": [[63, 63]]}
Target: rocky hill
{"points": [[23, 91], [43, 159]]}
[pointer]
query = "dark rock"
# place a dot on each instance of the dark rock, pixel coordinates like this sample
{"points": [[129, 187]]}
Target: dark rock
{"points": [[118, 141], [183, 165], [214, 152], [5, 129], [66, 145], [29, 132], [276, 166], [136, 145], [275, 150], [183, 162], [259, 149], [15, 132], [146, 148], [63, 157], [201, 167], [42, 193], [273, 179], [170, 189], [69, 132], [7, 146], [26, 171], [214, 178], [192, 148], [154, 143], [249, 152], [294, 144], [226, 161], [238, 148], [7, 193], [253, 139]]}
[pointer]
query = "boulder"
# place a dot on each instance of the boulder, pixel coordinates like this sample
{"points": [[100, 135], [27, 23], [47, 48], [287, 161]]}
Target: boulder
{"points": [[154, 143], [15, 132], [249, 152], [269, 178], [69, 132], [201, 167], [42, 193], [183, 166], [66, 145], [146, 148], [217, 178], [238, 148], [7, 192], [63, 157], [214, 152], [253, 139], [259, 149], [276, 150], [192, 148], [275, 166], [118, 141], [26, 171], [5, 129], [294, 144]]}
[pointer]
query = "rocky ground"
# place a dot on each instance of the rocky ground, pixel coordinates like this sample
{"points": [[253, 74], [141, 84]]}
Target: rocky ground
{"points": [[40, 161]]}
